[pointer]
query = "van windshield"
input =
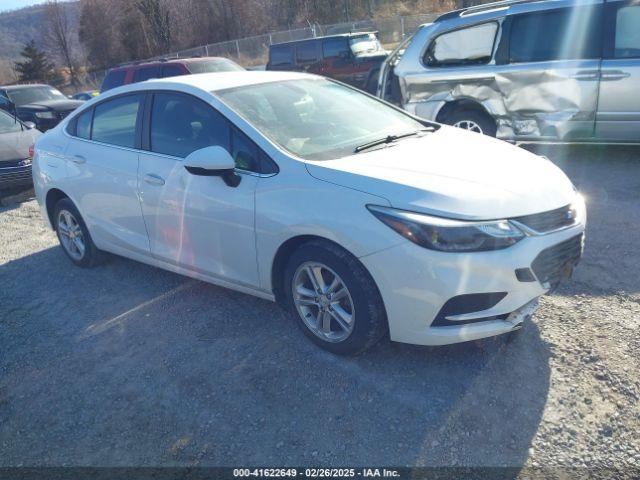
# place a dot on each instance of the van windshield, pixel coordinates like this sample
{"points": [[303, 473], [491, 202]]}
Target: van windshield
{"points": [[317, 119], [210, 66]]}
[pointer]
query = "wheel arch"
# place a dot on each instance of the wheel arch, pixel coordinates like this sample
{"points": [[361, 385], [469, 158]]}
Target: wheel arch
{"points": [[54, 195], [283, 253]]}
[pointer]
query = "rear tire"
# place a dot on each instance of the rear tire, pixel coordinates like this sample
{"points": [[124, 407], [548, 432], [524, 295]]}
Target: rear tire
{"points": [[473, 120], [74, 236], [343, 321]]}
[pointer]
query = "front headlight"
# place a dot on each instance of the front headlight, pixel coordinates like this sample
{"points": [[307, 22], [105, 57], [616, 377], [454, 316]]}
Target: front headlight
{"points": [[579, 209], [448, 235], [47, 115]]}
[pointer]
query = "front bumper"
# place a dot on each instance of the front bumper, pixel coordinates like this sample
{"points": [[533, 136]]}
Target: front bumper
{"points": [[15, 175], [415, 284]]}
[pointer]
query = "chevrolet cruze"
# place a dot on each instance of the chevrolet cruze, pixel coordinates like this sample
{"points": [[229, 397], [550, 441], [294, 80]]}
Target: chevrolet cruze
{"points": [[360, 219]]}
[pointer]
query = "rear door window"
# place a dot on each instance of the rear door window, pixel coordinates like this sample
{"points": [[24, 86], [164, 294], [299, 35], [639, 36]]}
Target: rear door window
{"points": [[281, 55], [467, 46], [113, 79], [114, 121], [563, 34], [307, 52], [146, 73]]}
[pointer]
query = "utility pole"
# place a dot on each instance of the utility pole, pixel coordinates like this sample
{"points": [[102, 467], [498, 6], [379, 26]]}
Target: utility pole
{"points": [[346, 11]]}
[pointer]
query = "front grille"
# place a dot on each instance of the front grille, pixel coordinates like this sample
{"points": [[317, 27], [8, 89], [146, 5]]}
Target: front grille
{"points": [[549, 221], [556, 263]]}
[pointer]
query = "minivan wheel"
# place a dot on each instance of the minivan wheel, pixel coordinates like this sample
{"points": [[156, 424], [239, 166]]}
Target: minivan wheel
{"points": [[74, 236], [334, 298], [473, 121]]}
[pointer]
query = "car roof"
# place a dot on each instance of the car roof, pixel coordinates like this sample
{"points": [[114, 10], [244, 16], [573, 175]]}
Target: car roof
{"points": [[165, 61], [26, 85], [211, 82], [337, 35], [499, 9]]}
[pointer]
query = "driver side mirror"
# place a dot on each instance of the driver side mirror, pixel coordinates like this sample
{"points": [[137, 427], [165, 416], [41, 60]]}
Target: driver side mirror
{"points": [[29, 125], [213, 162]]}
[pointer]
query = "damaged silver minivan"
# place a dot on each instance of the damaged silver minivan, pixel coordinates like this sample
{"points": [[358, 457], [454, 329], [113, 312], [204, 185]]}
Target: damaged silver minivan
{"points": [[550, 70]]}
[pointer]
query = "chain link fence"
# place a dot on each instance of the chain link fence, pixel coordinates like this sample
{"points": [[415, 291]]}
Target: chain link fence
{"points": [[253, 52]]}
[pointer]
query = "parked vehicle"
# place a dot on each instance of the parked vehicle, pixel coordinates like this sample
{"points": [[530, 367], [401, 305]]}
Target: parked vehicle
{"points": [[43, 105], [263, 182], [536, 70], [86, 95], [352, 58], [16, 151], [138, 72]]}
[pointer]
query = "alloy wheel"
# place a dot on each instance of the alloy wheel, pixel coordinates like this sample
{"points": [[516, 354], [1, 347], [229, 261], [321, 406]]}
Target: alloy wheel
{"points": [[468, 125], [71, 236], [323, 302]]}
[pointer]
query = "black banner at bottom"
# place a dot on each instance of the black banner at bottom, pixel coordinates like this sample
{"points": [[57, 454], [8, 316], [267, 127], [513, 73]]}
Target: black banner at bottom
{"points": [[418, 473]]}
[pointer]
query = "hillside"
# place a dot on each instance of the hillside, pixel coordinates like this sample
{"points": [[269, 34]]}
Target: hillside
{"points": [[19, 26]]}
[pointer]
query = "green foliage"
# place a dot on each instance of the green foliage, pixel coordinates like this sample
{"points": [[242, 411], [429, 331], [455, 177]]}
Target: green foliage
{"points": [[35, 65]]}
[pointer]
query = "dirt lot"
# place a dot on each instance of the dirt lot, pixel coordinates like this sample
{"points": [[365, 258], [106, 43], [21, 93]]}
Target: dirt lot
{"points": [[130, 365]]}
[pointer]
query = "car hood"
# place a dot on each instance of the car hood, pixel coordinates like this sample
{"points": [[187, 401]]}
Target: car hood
{"points": [[453, 173], [55, 105]]}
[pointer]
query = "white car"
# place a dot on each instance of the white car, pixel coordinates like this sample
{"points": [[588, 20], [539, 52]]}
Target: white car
{"points": [[357, 217]]}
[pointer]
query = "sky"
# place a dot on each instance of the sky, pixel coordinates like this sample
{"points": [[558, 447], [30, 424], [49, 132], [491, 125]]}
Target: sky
{"points": [[13, 4]]}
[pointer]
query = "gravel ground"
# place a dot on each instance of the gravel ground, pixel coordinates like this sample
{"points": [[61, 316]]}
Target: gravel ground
{"points": [[128, 365]]}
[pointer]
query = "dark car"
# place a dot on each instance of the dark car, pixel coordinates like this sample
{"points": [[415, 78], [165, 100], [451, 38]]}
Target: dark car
{"points": [[352, 58], [138, 72], [86, 95], [43, 105], [16, 150]]}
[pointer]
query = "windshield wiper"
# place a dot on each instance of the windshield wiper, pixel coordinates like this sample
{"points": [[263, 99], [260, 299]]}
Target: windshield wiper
{"points": [[388, 139]]}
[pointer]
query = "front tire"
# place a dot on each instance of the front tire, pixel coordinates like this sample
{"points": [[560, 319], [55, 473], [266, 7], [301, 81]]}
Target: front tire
{"points": [[74, 236], [334, 299]]}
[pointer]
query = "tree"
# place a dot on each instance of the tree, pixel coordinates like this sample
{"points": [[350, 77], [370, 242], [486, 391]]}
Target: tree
{"points": [[158, 19], [35, 65], [59, 35]]}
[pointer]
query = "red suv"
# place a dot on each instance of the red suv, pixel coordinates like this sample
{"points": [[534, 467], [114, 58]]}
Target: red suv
{"points": [[138, 72], [353, 58]]}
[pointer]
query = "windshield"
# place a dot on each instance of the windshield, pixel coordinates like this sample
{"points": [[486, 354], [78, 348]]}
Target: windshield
{"points": [[24, 96], [210, 66], [317, 119], [365, 44]]}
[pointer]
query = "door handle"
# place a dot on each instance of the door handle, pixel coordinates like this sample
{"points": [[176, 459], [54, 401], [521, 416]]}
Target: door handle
{"points": [[78, 159], [153, 179], [586, 75], [611, 75]]}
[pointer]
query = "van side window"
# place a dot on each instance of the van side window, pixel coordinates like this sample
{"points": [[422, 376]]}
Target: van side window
{"points": [[307, 52], [563, 34], [181, 124], [173, 71], [627, 40], [335, 48], [467, 46], [114, 121], [281, 55]]}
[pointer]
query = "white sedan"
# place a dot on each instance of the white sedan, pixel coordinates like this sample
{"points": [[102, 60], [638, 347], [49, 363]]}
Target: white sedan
{"points": [[360, 219]]}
